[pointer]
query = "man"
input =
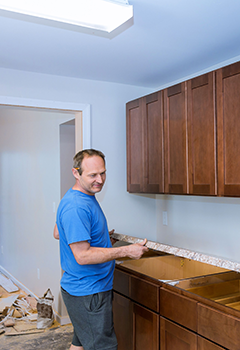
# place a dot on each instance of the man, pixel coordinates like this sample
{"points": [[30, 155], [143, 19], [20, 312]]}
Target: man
{"points": [[87, 255]]}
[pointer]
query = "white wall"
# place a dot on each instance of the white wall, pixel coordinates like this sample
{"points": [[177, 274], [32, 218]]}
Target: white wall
{"points": [[204, 224]]}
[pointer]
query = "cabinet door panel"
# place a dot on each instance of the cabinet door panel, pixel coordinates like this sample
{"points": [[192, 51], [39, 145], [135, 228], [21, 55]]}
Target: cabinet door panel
{"points": [[134, 146], [175, 129], [228, 106], [153, 143], [202, 135], [174, 337], [145, 329], [122, 318], [204, 344]]}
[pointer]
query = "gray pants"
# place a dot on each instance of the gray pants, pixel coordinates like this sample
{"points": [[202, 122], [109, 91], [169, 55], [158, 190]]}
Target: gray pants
{"points": [[92, 320]]}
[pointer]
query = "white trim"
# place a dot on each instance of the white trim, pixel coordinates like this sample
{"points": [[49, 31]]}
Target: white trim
{"points": [[68, 106], [86, 125], [19, 284], [62, 320]]}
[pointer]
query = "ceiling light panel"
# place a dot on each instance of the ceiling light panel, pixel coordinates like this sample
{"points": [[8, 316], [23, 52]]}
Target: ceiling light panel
{"points": [[103, 15]]}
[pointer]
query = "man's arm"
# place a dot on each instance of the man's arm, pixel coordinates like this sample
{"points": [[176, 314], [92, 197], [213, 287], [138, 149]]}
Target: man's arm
{"points": [[85, 254], [55, 232]]}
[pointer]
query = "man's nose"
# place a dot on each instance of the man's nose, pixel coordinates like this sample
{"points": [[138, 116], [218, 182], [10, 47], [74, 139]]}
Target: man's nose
{"points": [[99, 179]]}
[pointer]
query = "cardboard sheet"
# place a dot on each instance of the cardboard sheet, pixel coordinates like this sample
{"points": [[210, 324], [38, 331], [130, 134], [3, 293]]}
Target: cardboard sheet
{"points": [[7, 284], [7, 302]]}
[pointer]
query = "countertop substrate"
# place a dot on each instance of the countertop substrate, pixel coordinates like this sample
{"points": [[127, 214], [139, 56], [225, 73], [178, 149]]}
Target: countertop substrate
{"points": [[184, 253]]}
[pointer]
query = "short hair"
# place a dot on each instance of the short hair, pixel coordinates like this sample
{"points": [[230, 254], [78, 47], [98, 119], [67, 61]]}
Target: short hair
{"points": [[78, 158]]}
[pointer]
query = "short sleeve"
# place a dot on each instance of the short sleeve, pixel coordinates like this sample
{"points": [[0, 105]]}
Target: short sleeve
{"points": [[76, 224]]}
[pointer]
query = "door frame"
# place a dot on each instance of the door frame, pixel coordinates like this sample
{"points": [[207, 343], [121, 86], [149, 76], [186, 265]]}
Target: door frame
{"points": [[82, 108]]}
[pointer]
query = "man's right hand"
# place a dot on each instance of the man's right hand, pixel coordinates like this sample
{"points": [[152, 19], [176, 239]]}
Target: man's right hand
{"points": [[136, 250]]}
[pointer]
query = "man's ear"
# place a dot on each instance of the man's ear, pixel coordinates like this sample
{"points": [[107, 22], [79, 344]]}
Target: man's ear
{"points": [[75, 173]]}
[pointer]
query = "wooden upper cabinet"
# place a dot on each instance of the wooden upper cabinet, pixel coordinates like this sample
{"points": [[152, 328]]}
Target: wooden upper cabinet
{"points": [[175, 136], [185, 139], [134, 146], [201, 116], [153, 143], [228, 119], [145, 144]]}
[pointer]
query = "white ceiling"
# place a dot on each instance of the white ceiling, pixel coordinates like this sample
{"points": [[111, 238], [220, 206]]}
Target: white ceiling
{"points": [[169, 40]]}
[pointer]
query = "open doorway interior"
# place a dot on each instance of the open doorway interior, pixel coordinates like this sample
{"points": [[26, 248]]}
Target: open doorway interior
{"points": [[30, 190], [67, 151]]}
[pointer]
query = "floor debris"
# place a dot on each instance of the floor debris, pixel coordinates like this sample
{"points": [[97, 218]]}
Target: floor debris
{"points": [[19, 312]]}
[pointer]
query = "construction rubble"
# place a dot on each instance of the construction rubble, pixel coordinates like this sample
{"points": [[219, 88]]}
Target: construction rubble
{"points": [[21, 313]]}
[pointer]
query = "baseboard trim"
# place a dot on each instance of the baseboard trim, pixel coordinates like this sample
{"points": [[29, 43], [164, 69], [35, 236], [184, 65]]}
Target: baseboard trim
{"points": [[62, 320], [19, 284]]}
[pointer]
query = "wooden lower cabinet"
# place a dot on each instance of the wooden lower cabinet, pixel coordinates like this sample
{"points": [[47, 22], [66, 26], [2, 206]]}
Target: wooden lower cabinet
{"points": [[179, 309], [175, 337], [179, 321], [204, 344], [136, 327], [145, 329], [219, 327], [122, 318]]}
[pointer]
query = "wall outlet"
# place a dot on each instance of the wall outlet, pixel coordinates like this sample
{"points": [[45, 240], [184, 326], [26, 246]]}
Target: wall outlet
{"points": [[165, 218]]}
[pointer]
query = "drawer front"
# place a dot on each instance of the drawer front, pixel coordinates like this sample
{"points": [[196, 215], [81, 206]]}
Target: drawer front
{"points": [[179, 309], [219, 327], [121, 282], [145, 293], [204, 344]]}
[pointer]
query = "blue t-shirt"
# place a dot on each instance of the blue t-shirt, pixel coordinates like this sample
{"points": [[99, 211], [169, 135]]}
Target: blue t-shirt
{"points": [[80, 218]]}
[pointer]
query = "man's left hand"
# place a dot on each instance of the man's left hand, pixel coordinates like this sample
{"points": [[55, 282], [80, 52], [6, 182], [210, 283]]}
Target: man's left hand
{"points": [[113, 240]]}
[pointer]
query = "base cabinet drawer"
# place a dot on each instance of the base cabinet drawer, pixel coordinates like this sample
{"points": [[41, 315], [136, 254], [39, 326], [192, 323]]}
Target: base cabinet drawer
{"points": [[219, 327], [179, 309], [175, 337], [145, 293], [121, 282]]}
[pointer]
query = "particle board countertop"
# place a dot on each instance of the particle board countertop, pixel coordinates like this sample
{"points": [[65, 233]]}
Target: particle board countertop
{"points": [[181, 252]]}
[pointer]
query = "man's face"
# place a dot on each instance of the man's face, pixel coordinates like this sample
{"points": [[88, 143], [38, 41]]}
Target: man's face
{"points": [[93, 175]]}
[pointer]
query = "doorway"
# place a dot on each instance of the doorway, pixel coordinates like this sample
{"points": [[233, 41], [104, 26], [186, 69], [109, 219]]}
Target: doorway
{"points": [[30, 190]]}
